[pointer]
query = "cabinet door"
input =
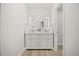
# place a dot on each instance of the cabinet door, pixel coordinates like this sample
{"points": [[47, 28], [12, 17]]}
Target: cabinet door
{"points": [[38, 46], [34, 42], [27, 41], [50, 41], [44, 42]]}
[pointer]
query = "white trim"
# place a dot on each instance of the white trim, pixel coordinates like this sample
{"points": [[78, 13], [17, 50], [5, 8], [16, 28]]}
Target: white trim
{"points": [[55, 31], [63, 29]]}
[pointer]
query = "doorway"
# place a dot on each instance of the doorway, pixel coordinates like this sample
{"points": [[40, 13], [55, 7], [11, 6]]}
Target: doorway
{"points": [[44, 29]]}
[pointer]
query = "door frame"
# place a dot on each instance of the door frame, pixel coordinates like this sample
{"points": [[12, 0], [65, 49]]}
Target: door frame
{"points": [[55, 28]]}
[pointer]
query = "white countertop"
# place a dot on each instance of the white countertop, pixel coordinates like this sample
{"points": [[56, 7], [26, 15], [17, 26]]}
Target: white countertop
{"points": [[37, 33]]}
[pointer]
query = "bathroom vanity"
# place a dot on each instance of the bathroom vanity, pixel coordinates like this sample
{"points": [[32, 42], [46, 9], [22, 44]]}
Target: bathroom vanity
{"points": [[38, 29], [38, 40]]}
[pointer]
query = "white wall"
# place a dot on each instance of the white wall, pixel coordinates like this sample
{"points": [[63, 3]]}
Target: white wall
{"points": [[38, 11], [39, 5], [0, 29], [60, 26], [12, 28], [71, 42]]}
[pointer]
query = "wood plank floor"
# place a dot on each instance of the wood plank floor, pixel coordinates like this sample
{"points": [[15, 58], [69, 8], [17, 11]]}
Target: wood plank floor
{"points": [[42, 53]]}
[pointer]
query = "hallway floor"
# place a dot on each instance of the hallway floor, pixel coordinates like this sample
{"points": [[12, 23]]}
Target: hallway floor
{"points": [[42, 53]]}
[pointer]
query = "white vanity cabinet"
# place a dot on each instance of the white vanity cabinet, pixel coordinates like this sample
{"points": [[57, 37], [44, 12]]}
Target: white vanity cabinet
{"points": [[39, 41]]}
